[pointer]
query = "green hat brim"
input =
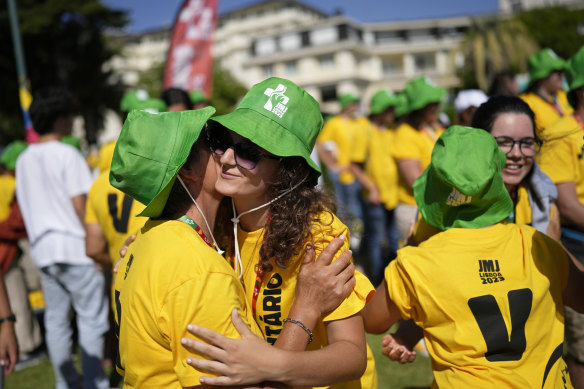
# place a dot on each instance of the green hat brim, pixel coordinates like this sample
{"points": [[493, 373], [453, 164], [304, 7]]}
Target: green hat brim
{"points": [[252, 125], [575, 70], [542, 71], [145, 173], [431, 95]]}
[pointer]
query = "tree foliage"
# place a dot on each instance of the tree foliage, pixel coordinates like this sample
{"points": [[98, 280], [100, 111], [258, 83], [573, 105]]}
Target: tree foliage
{"points": [[64, 44], [559, 28], [494, 44]]}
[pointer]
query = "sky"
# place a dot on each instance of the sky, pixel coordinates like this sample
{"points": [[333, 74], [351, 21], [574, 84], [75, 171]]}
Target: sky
{"points": [[151, 14]]}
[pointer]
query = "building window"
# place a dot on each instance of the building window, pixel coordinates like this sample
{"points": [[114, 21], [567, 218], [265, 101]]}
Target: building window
{"points": [[265, 46], [425, 62], [268, 70], [391, 67], [324, 36], [291, 67], [326, 61], [290, 41], [328, 93]]}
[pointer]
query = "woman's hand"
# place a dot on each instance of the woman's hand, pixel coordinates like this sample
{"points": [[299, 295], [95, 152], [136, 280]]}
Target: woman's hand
{"points": [[323, 285], [244, 361], [123, 251], [8, 347], [396, 349]]}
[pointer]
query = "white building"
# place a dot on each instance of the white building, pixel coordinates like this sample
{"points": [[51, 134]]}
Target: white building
{"points": [[327, 55]]}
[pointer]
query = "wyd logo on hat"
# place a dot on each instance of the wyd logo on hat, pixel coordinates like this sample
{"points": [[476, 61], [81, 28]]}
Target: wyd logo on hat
{"points": [[277, 96], [455, 198]]}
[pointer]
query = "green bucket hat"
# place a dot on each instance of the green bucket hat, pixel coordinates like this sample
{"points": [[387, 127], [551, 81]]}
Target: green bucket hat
{"points": [[463, 186], [278, 116], [401, 105], [575, 70], [347, 99], [151, 150], [150, 105], [542, 63], [382, 100], [197, 97], [11, 153], [420, 92], [130, 99]]}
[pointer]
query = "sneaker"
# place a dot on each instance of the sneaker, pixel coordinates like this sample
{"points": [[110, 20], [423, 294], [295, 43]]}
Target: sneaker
{"points": [[29, 359]]}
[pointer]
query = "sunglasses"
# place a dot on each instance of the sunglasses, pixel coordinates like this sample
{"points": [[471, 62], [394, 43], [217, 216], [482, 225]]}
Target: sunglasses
{"points": [[528, 146], [247, 155]]}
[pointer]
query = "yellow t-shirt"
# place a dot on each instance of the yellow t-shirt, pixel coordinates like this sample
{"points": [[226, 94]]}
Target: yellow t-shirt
{"points": [[561, 155], [7, 188], [278, 286], [545, 113], [410, 143], [114, 211], [469, 289], [106, 154], [380, 167], [340, 131], [169, 278]]}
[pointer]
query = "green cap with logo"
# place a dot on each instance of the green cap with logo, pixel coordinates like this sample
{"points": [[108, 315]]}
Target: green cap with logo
{"points": [[11, 153], [575, 70], [420, 92], [132, 98], [542, 63], [151, 150], [347, 99], [382, 100], [463, 186], [278, 116]]}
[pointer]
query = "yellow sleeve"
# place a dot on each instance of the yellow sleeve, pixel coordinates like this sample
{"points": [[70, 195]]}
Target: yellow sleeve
{"points": [[328, 130], [361, 147], [400, 287], [207, 301], [558, 157], [407, 144], [90, 215], [363, 291]]}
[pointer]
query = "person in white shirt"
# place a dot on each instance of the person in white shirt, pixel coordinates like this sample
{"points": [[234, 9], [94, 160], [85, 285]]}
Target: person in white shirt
{"points": [[52, 180]]}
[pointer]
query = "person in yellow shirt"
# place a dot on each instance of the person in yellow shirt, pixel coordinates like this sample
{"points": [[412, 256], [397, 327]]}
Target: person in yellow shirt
{"points": [[263, 149], [561, 157], [172, 274], [414, 140], [491, 311], [335, 149], [375, 169], [545, 94]]}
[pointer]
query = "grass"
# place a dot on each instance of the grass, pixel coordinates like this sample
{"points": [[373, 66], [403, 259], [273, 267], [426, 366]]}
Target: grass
{"points": [[391, 374]]}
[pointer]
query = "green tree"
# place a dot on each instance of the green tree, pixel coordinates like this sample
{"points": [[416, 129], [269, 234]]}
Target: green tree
{"points": [[64, 44], [558, 28], [227, 91], [494, 44]]}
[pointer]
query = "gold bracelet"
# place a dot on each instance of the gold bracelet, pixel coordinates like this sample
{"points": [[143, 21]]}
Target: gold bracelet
{"points": [[301, 325]]}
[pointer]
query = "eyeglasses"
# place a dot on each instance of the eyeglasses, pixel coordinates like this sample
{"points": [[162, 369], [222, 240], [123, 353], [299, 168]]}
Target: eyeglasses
{"points": [[246, 154], [528, 146]]}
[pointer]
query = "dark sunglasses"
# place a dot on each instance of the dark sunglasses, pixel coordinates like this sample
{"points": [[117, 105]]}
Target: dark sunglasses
{"points": [[246, 154]]}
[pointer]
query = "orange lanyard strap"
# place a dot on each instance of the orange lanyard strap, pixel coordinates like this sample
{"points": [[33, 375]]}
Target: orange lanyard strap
{"points": [[190, 222]]}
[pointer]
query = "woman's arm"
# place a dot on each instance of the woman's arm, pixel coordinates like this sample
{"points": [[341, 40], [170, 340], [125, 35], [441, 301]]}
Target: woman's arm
{"points": [[250, 359], [381, 312], [410, 170]]}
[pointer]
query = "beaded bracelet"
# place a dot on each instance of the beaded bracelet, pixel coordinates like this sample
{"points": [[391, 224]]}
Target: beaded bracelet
{"points": [[11, 318], [301, 325]]}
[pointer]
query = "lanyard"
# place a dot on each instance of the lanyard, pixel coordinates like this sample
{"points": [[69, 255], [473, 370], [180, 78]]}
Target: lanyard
{"points": [[554, 104], [190, 222], [259, 274]]}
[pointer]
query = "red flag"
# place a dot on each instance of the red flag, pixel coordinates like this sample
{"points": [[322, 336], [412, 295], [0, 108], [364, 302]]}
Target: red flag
{"points": [[189, 64]]}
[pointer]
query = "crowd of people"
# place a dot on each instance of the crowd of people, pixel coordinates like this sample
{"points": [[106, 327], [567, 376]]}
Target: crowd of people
{"points": [[237, 263]]}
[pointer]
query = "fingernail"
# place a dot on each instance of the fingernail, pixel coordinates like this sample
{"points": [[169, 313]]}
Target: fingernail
{"points": [[342, 237], [190, 327], [183, 341], [202, 380], [189, 360]]}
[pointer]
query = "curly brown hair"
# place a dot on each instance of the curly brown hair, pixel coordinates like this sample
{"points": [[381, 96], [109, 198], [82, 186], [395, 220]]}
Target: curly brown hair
{"points": [[291, 216]]}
